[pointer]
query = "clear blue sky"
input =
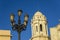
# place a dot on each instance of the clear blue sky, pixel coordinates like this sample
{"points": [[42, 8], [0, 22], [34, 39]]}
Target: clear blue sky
{"points": [[50, 8]]}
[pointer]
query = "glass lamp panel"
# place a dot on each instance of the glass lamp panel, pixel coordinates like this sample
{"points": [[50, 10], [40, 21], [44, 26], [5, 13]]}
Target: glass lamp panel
{"points": [[26, 18], [12, 17], [24, 23], [19, 13]]}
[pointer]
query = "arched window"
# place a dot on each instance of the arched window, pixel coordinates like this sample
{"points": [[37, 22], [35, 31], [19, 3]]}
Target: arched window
{"points": [[40, 27], [46, 28], [36, 29]]}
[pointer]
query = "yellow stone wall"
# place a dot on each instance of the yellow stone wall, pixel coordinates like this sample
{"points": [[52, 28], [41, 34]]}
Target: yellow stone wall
{"points": [[55, 32], [5, 35]]}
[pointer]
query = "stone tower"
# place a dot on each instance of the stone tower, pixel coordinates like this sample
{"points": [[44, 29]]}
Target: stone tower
{"points": [[39, 27]]}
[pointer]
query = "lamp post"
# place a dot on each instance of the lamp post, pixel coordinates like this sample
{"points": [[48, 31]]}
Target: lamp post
{"points": [[19, 27]]}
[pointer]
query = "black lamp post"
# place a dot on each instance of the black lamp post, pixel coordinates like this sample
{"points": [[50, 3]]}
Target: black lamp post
{"points": [[19, 27]]}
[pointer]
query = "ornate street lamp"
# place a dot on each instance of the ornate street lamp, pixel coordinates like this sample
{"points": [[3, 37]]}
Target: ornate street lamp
{"points": [[19, 27]]}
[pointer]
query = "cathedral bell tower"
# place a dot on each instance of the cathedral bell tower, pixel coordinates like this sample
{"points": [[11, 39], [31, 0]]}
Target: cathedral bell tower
{"points": [[39, 27]]}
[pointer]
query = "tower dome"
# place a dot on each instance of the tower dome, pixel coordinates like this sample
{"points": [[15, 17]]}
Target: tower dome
{"points": [[39, 15]]}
